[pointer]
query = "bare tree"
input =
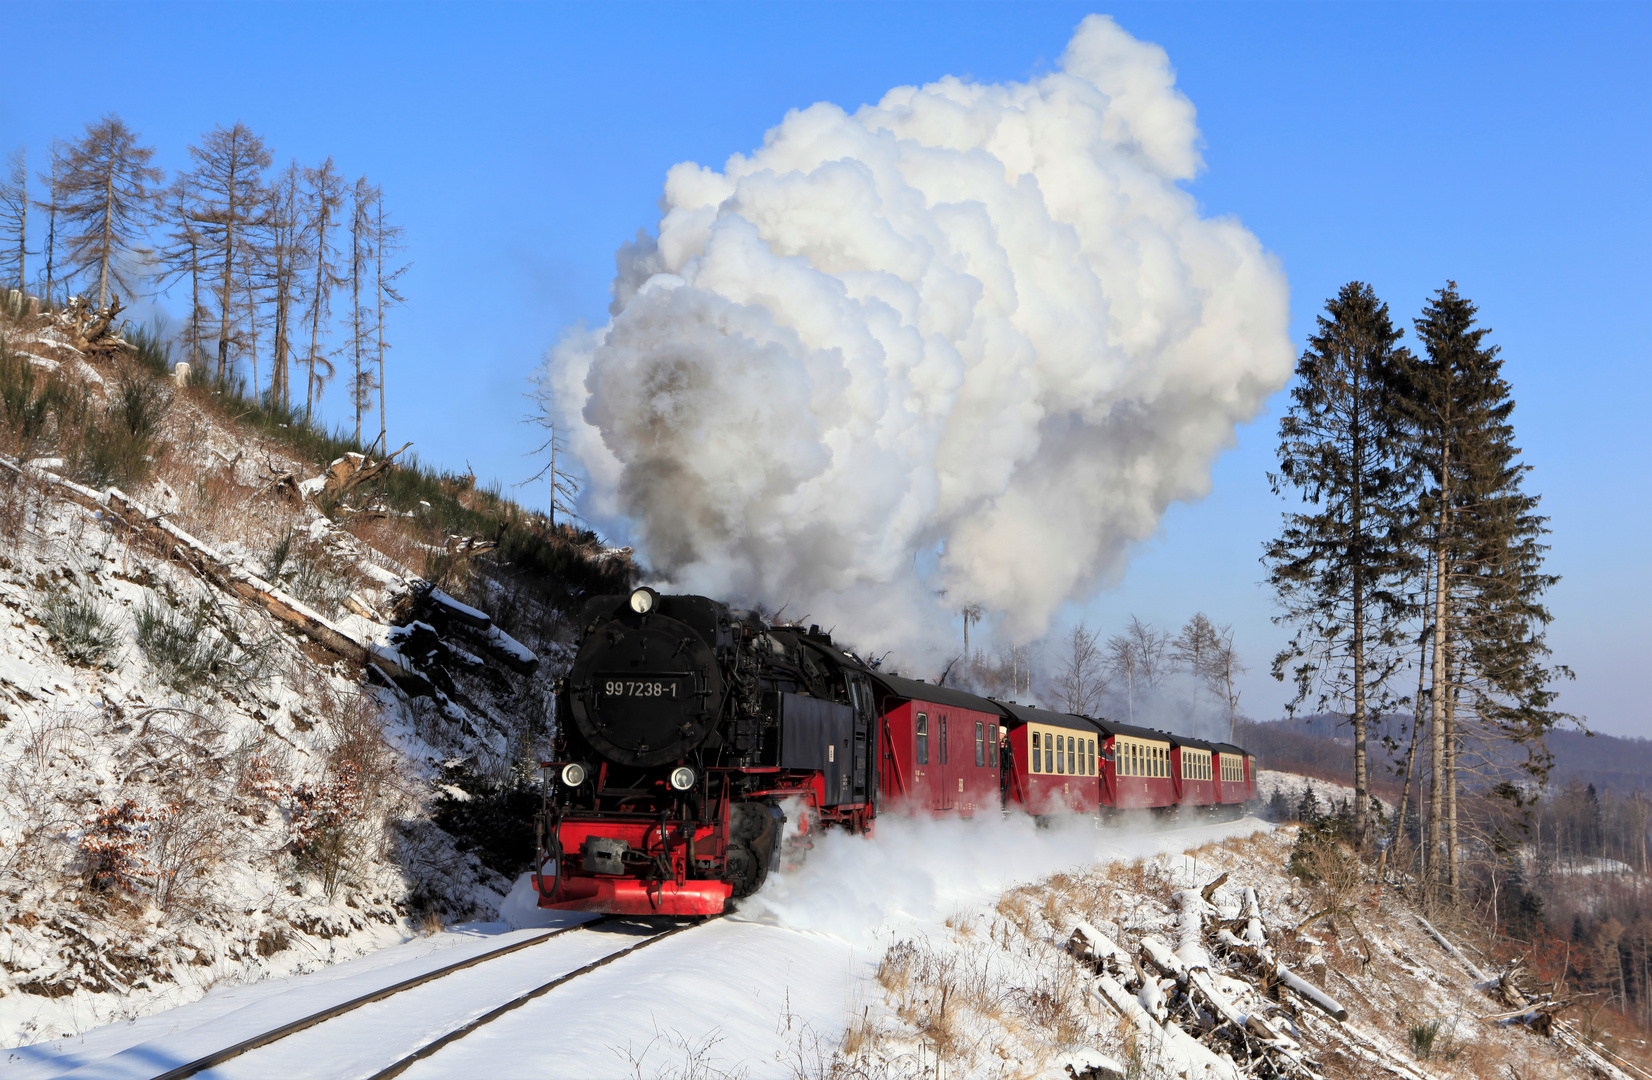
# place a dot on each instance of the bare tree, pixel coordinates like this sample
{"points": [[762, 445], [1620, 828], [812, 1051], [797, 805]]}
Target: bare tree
{"points": [[184, 256], [1138, 656], [1195, 646], [14, 212], [224, 193], [53, 179], [1083, 673], [564, 485], [106, 200], [1222, 670], [323, 199], [1123, 664], [362, 384], [971, 614], [285, 249], [386, 241]]}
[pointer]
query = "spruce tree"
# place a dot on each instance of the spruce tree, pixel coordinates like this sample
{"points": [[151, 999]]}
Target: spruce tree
{"points": [[1337, 566], [1488, 656]]}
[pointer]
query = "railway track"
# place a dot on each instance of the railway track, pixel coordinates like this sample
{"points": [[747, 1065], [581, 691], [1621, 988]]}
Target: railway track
{"points": [[276, 1035]]}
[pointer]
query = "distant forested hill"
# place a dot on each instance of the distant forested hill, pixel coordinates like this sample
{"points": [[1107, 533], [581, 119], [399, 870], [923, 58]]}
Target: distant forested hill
{"points": [[1321, 746]]}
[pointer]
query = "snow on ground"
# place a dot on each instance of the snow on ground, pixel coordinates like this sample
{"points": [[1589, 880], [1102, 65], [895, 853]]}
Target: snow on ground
{"points": [[765, 992], [1293, 785]]}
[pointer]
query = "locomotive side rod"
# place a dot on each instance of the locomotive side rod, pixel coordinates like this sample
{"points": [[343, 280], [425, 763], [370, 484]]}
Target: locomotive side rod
{"points": [[218, 1057], [455, 1035]]}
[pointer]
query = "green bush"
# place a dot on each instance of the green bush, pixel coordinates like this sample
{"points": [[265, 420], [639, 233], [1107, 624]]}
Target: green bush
{"points": [[1436, 1038], [33, 405], [1322, 848], [305, 570], [118, 446], [187, 652], [79, 627], [151, 349]]}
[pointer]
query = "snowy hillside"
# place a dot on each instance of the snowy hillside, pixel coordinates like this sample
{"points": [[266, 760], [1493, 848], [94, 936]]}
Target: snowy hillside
{"points": [[225, 715]]}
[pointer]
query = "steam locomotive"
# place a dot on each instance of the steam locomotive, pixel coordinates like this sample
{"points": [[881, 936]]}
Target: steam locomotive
{"points": [[686, 725]]}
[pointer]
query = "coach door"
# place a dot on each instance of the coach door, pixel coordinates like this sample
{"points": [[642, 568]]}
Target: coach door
{"points": [[946, 773]]}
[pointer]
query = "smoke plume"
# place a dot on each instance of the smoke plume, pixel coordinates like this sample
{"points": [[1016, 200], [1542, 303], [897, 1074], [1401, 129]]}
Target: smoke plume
{"points": [[961, 346]]}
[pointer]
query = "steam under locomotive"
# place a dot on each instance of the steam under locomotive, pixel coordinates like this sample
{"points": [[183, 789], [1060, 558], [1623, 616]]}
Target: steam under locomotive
{"points": [[685, 726]]}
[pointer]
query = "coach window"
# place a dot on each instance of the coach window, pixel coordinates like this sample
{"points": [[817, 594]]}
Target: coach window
{"points": [[943, 740], [1035, 753], [1091, 747], [1049, 754], [980, 744], [1059, 760], [923, 738], [1072, 755]]}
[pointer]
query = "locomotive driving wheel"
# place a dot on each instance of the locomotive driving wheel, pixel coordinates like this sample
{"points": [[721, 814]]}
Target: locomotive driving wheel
{"points": [[751, 836]]}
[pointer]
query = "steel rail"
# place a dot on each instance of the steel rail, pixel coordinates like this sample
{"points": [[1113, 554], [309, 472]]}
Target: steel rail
{"points": [[516, 1003], [218, 1057]]}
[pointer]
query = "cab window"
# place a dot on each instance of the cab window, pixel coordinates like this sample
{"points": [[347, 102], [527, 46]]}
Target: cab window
{"points": [[943, 740], [980, 744], [923, 738]]}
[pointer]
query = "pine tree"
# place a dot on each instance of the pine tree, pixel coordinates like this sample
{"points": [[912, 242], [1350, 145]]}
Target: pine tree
{"points": [[323, 199], [1338, 568], [106, 199], [226, 199], [14, 215]]}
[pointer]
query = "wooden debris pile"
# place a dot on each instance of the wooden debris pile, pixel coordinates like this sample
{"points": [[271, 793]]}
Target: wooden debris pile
{"points": [[1209, 1004]]}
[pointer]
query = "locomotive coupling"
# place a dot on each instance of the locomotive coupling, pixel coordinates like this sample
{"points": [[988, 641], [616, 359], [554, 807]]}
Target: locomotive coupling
{"points": [[603, 855]]}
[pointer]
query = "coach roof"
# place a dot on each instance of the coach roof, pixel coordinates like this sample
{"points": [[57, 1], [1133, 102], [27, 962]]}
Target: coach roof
{"points": [[1026, 714], [916, 690]]}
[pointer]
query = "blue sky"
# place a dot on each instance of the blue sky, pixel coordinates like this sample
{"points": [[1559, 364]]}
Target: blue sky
{"points": [[1503, 146]]}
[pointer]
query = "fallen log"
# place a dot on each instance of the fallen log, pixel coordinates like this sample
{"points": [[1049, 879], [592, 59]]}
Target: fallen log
{"points": [[1454, 952], [216, 570]]}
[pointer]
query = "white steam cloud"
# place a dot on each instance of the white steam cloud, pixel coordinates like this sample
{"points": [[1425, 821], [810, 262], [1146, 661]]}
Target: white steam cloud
{"points": [[973, 338]]}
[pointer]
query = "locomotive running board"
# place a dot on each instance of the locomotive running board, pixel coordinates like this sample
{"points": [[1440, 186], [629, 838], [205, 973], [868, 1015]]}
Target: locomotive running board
{"points": [[628, 896]]}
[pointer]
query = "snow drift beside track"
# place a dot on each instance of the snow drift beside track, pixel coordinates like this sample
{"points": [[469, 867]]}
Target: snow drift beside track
{"points": [[961, 346], [920, 870]]}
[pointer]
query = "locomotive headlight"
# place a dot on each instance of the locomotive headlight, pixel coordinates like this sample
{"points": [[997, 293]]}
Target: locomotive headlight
{"points": [[642, 600], [574, 773], [682, 778]]}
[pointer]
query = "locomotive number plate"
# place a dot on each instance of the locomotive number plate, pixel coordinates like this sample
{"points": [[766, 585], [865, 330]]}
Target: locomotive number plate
{"points": [[668, 687]]}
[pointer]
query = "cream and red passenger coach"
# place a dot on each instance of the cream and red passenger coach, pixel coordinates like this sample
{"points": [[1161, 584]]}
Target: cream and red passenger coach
{"points": [[685, 726]]}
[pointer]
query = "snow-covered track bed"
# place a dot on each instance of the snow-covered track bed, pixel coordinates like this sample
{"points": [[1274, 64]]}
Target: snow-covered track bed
{"points": [[387, 1028]]}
